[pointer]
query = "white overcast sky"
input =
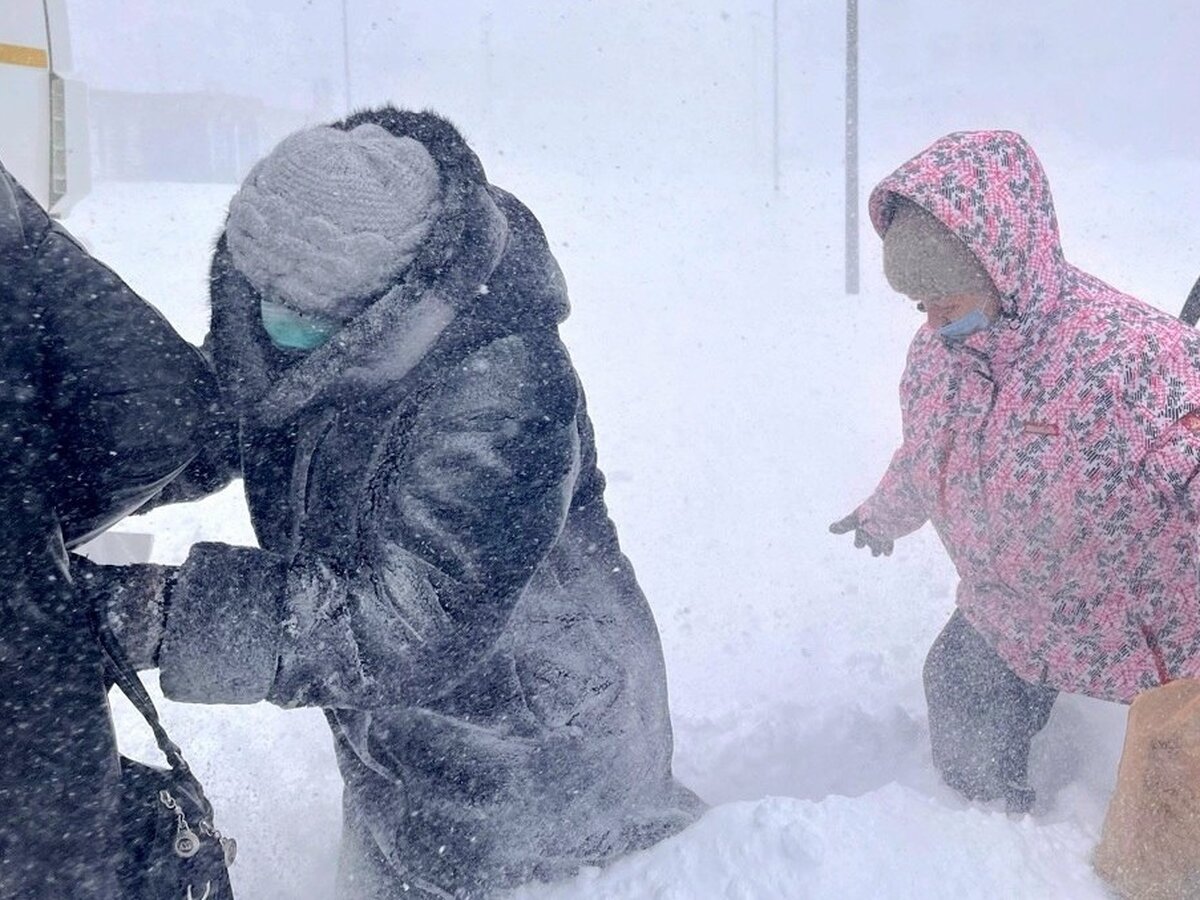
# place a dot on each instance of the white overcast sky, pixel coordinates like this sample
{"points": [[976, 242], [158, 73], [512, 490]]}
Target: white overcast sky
{"points": [[680, 77]]}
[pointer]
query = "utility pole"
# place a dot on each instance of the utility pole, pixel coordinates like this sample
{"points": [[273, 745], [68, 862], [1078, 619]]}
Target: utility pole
{"points": [[775, 91], [346, 55], [851, 146]]}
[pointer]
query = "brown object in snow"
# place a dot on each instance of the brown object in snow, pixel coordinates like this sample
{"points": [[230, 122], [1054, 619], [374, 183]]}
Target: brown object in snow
{"points": [[1150, 846]]}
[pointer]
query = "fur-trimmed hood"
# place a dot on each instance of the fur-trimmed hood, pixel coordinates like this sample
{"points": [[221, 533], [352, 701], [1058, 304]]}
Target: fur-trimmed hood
{"points": [[484, 267]]}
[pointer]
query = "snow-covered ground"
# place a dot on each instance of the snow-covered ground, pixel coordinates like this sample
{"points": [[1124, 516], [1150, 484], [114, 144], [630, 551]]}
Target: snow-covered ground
{"points": [[742, 401]]}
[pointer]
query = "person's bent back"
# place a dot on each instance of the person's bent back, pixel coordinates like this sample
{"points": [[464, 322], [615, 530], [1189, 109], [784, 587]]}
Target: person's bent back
{"points": [[101, 403]]}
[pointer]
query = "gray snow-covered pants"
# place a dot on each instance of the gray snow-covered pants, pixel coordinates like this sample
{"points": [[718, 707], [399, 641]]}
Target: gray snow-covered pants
{"points": [[982, 717]]}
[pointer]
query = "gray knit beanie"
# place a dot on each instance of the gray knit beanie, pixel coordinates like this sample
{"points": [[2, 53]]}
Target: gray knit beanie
{"points": [[331, 217], [924, 259]]}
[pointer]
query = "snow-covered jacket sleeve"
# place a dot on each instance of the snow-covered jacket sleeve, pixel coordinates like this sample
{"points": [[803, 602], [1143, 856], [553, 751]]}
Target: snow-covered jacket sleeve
{"points": [[904, 498], [218, 458], [461, 517]]}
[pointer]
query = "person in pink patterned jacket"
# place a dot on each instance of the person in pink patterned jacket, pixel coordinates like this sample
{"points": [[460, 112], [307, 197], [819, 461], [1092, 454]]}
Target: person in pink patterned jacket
{"points": [[1051, 435]]}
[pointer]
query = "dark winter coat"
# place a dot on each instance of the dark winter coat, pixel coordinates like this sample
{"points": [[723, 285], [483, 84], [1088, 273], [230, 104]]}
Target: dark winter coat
{"points": [[438, 569], [100, 404], [1191, 307]]}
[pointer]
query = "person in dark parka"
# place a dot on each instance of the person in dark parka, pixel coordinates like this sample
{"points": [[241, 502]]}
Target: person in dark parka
{"points": [[437, 566], [101, 402], [1191, 307]]}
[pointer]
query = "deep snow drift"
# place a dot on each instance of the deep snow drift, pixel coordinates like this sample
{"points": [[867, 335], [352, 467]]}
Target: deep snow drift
{"points": [[741, 402]]}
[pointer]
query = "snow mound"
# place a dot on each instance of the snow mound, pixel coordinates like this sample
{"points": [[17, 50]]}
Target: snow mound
{"points": [[893, 842]]}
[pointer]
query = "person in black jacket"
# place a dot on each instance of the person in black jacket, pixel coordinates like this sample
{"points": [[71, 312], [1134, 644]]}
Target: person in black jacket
{"points": [[1191, 307], [101, 403], [437, 566]]}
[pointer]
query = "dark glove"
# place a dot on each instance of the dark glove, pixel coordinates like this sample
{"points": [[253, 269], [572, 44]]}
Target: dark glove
{"points": [[131, 600], [862, 538]]}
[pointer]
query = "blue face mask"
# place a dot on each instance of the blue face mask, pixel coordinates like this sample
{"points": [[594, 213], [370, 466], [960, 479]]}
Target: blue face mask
{"points": [[962, 328], [290, 330]]}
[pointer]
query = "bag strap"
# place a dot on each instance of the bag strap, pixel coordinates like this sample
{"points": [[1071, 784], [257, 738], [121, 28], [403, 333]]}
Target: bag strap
{"points": [[125, 676]]}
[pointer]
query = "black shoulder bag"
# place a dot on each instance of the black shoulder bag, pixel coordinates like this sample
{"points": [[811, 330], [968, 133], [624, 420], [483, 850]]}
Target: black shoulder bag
{"points": [[169, 847]]}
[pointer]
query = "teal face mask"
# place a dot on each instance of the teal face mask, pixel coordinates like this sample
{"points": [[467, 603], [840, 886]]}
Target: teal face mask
{"points": [[962, 328], [291, 330]]}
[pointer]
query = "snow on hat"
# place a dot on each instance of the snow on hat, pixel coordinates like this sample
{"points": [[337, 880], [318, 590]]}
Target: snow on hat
{"points": [[923, 258], [332, 216]]}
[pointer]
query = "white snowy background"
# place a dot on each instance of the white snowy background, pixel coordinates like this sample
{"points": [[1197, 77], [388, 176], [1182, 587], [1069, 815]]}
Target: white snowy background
{"points": [[742, 400]]}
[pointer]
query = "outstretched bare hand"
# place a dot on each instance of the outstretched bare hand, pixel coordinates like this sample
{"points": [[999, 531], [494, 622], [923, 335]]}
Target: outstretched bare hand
{"points": [[862, 538]]}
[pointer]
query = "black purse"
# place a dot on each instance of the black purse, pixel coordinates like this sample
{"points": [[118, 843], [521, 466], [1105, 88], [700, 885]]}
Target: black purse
{"points": [[169, 847]]}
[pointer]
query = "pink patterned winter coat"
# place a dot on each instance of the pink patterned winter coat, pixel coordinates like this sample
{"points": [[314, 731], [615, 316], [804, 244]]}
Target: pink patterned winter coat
{"points": [[1054, 453]]}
